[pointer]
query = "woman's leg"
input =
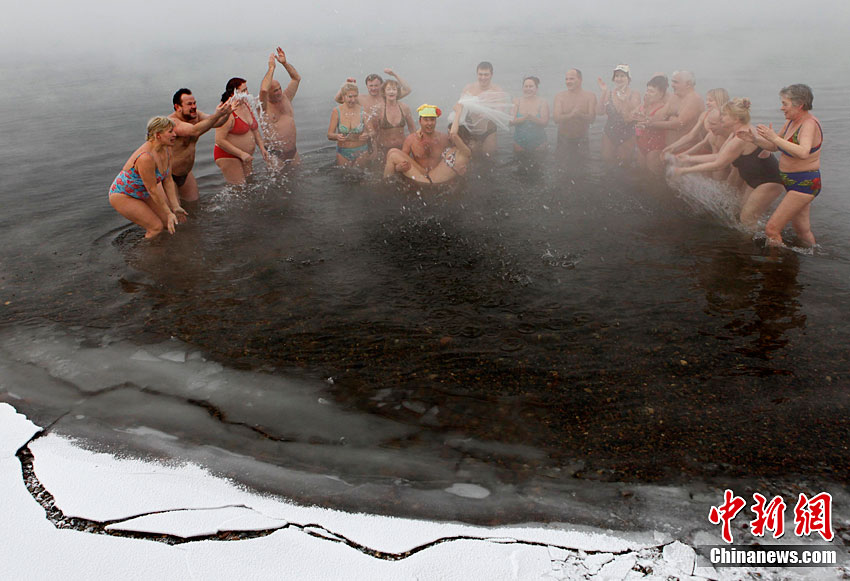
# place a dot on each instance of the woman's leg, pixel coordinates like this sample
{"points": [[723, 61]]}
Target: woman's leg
{"points": [[608, 149], [794, 208], [139, 212], [756, 203], [231, 169]]}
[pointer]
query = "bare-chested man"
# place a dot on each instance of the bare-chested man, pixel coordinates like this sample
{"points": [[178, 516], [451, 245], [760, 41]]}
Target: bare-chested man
{"points": [[682, 110], [189, 125], [426, 145], [482, 130], [277, 105], [574, 110], [372, 101]]}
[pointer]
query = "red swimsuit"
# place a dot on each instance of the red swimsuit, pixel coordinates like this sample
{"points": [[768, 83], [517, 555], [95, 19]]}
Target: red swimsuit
{"points": [[239, 128]]}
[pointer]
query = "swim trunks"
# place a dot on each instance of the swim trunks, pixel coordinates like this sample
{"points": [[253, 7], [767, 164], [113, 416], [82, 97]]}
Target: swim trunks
{"points": [[179, 180], [352, 153], [805, 182]]}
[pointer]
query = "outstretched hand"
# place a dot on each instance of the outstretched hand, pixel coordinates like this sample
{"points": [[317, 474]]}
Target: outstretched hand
{"points": [[280, 56], [745, 135], [224, 108], [389, 71], [767, 132], [601, 84]]}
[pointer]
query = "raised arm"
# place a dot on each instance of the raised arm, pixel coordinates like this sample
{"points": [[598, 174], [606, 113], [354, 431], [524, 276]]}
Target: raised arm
{"points": [[266, 83], [294, 77], [217, 119], [403, 88]]}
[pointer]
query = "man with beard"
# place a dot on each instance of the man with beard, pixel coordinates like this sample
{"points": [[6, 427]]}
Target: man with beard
{"points": [[189, 125], [277, 106]]}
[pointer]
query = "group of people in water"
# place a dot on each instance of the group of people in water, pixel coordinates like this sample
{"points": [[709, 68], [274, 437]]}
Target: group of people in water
{"points": [[670, 126]]}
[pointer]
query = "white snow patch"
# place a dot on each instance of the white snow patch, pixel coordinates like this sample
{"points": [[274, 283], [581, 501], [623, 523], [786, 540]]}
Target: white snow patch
{"points": [[468, 490]]}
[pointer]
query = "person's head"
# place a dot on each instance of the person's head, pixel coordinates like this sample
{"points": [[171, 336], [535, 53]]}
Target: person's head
{"points": [[390, 89], [184, 103], [529, 86], [573, 79], [656, 88], [350, 93], [622, 75], [714, 121], [485, 74], [716, 98], [736, 112], [373, 84], [233, 86], [683, 82], [160, 129], [796, 99], [275, 92], [428, 117]]}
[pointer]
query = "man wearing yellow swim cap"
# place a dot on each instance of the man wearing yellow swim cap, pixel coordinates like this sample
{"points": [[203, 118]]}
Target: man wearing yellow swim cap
{"points": [[426, 145]]}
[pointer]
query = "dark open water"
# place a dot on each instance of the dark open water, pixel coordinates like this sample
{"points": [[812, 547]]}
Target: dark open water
{"points": [[341, 342]]}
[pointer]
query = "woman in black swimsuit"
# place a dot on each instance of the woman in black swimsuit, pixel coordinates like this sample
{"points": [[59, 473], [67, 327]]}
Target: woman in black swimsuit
{"points": [[758, 168], [392, 118]]}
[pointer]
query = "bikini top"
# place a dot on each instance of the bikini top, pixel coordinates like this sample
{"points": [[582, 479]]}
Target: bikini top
{"points": [[795, 138], [385, 123], [353, 130], [240, 127]]}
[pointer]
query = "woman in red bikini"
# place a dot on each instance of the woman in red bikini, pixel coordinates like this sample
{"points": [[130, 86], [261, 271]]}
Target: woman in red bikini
{"points": [[236, 139]]}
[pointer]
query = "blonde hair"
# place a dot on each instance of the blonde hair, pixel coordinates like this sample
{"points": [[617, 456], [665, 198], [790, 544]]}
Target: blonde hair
{"points": [[157, 125], [349, 87], [720, 96], [738, 109]]}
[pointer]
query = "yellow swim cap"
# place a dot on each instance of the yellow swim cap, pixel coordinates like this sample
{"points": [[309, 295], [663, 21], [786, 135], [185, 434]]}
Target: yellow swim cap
{"points": [[427, 110]]}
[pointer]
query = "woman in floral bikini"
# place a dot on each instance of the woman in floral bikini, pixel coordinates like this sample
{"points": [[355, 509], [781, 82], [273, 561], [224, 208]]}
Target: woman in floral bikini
{"points": [[799, 163]]}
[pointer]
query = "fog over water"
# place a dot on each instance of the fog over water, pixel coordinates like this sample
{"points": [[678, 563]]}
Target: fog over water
{"points": [[545, 337]]}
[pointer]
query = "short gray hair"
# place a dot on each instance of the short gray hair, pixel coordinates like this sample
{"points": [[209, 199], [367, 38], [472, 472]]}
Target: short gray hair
{"points": [[799, 95], [686, 76]]}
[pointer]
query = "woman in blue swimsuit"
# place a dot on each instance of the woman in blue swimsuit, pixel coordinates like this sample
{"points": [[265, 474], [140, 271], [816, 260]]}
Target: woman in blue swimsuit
{"points": [[144, 191], [530, 118], [799, 163], [348, 128]]}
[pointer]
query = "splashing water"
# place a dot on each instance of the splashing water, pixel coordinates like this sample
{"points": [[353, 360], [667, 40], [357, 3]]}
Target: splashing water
{"points": [[705, 195]]}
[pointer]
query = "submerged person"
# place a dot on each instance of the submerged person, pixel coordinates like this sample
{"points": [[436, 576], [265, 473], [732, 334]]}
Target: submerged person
{"points": [[650, 141], [618, 103], [799, 145], [682, 110], [454, 159], [758, 168], [574, 111], [239, 136], [189, 125], [144, 191], [372, 100], [349, 130], [530, 118], [485, 107], [392, 119], [715, 99], [426, 145], [277, 106]]}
